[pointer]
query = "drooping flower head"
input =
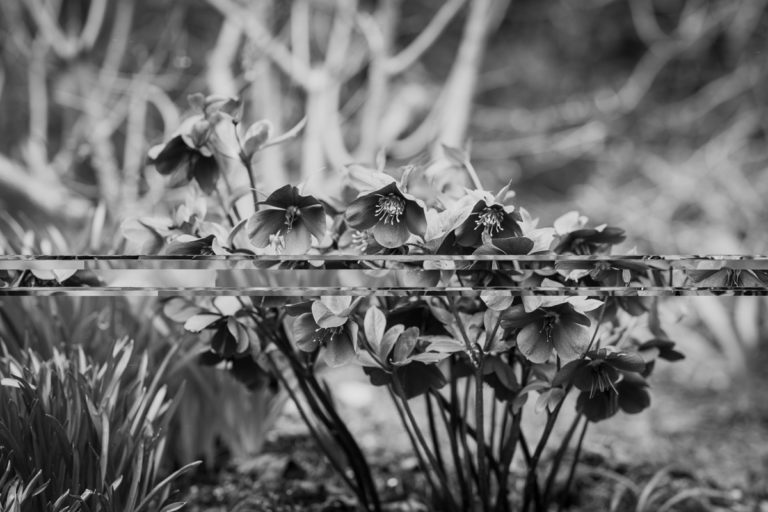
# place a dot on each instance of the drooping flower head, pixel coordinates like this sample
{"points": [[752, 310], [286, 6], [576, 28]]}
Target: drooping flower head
{"points": [[391, 215], [190, 154], [548, 324], [288, 218], [328, 327], [572, 237]]}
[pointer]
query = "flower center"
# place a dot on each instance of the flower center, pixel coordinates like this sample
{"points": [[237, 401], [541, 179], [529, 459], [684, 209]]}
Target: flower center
{"points": [[490, 220], [390, 208], [601, 381], [547, 327], [291, 214], [324, 335]]}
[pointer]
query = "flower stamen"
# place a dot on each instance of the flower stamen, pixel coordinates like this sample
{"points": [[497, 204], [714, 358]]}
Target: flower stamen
{"points": [[323, 335], [291, 214], [490, 220], [390, 208]]}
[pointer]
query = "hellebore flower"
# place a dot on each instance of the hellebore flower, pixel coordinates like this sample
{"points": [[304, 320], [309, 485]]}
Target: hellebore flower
{"points": [[573, 238], [391, 214], [489, 220], [729, 278], [189, 156], [290, 217], [629, 394], [609, 380], [599, 370], [557, 324], [329, 327]]}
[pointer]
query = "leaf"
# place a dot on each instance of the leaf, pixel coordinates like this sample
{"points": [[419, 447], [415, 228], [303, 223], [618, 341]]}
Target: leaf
{"points": [[255, 137], [497, 300], [365, 179], [504, 372], [443, 344], [417, 378], [179, 309], [240, 333], [173, 507], [426, 358], [405, 344], [199, 322], [388, 341], [374, 326]]}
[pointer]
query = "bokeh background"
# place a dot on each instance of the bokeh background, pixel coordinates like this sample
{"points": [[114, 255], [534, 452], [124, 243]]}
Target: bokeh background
{"points": [[640, 113]]}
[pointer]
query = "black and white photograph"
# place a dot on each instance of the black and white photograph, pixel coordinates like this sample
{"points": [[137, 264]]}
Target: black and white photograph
{"points": [[383, 255]]}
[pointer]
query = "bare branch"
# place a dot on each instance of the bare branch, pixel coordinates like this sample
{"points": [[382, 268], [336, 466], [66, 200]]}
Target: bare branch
{"points": [[254, 30], [64, 46], [408, 56], [93, 23], [219, 74]]}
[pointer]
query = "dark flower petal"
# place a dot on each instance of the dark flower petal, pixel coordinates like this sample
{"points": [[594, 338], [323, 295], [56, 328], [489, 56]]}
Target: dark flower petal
{"points": [[415, 218], [263, 224], [304, 331], [297, 240], [509, 228], [514, 245], [361, 213], [627, 361], [314, 218], [599, 407], [175, 154], [283, 197], [193, 247], [205, 170], [391, 235], [568, 372], [209, 358], [223, 343], [584, 377], [469, 234], [633, 394], [417, 378], [516, 317]]}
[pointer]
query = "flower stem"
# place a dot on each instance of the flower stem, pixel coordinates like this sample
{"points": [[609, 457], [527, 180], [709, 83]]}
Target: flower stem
{"points": [[422, 442], [576, 456], [558, 459]]}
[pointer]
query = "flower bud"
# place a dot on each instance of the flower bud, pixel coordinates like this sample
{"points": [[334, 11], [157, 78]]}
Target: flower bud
{"points": [[255, 137]]}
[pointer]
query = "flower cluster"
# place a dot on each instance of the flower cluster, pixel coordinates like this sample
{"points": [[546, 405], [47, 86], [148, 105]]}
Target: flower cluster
{"points": [[461, 268]]}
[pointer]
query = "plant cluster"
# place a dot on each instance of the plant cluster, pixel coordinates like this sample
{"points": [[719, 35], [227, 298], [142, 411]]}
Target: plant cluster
{"points": [[76, 435], [475, 356]]}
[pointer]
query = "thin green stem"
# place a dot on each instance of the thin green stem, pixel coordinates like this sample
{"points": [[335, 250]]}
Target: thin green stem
{"points": [[482, 463], [558, 459], [244, 158], [576, 456], [422, 442], [457, 462], [436, 490], [433, 433]]}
